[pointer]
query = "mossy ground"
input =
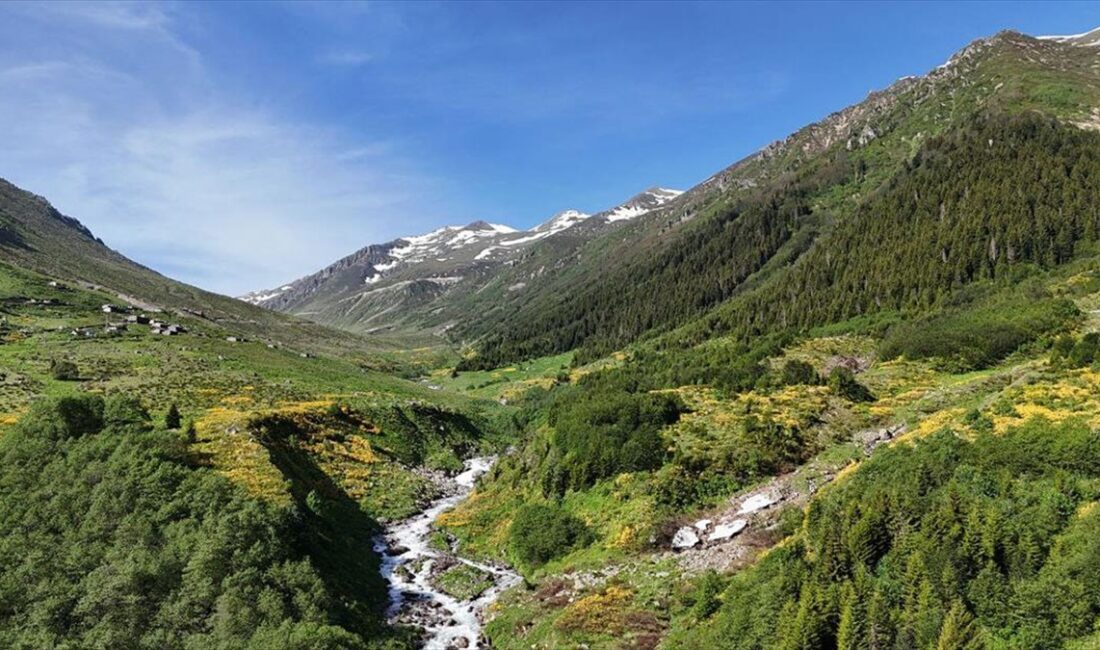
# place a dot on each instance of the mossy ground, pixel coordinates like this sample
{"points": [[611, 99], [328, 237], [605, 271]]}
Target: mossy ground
{"points": [[463, 581]]}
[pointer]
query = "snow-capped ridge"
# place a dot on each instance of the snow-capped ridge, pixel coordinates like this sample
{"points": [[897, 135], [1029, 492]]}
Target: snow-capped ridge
{"points": [[1090, 38], [561, 221], [647, 201], [456, 248]]}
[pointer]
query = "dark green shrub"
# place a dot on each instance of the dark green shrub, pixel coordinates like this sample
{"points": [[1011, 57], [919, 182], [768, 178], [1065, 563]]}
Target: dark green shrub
{"points": [[1062, 347], [843, 383], [58, 418], [542, 532], [125, 411], [708, 593], [798, 372], [64, 370], [1084, 352]]}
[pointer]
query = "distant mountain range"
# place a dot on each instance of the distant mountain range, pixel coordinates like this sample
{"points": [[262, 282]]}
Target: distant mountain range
{"points": [[383, 285], [739, 252], [665, 259]]}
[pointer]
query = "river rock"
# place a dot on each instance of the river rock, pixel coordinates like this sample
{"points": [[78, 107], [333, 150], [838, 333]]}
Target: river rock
{"points": [[397, 550], [703, 524]]}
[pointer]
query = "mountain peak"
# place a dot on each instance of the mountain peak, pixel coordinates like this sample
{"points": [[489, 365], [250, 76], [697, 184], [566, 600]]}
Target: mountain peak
{"points": [[561, 221], [641, 203], [482, 226]]}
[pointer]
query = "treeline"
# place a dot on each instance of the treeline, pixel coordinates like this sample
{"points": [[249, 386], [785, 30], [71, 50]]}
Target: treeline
{"points": [[947, 543], [114, 537]]}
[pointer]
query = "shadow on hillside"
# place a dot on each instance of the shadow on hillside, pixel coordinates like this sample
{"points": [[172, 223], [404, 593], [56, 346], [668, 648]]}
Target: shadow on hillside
{"points": [[336, 534], [10, 238]]}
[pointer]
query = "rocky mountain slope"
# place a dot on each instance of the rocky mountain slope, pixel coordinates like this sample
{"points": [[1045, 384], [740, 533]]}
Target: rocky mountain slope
{"points": [[411, 281]]}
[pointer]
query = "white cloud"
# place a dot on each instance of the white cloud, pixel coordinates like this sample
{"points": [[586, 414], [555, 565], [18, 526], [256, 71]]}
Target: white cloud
{"points": [[178, 174], [346, 57]]}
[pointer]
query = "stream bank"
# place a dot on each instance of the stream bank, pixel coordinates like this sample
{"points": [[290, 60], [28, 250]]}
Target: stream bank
{"points": [[411, 566]]}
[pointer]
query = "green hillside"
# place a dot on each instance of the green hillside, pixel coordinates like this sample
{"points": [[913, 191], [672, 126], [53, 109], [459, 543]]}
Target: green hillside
{"points": [[35, 236], [938, 278], [247, 522], [743, 231], [842, 394]]}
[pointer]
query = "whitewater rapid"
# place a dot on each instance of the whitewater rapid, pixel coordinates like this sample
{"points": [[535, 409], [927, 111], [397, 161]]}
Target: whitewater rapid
{"points": [[413, 599]]}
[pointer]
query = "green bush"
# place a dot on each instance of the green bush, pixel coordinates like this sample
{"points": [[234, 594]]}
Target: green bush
{"points": [[542, 532], [708, 595], [798, 372], [1084, 352], [125, 411], [64, 370], [58, 418], [1070, 352], [843, 383]]}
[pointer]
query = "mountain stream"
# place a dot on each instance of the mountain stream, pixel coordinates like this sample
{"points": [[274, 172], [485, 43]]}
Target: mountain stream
{"points": [[409, 563]]}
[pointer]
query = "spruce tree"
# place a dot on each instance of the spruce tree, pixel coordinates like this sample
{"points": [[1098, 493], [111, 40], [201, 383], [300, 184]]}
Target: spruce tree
{"points": [[959, 630], [172, 418]]}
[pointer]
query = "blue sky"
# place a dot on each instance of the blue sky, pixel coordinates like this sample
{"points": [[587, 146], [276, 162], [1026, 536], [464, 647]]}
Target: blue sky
{"points": [[237, 146]]}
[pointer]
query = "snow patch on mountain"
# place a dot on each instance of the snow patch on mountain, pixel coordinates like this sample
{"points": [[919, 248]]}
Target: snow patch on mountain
{"points": [[437, 243], [452, 247], [257, 297], [1090, 38], [645, 202], [559, 222]]}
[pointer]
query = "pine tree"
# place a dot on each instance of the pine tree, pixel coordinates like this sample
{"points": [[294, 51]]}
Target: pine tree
{"points": [[172, 418], [849, 631], [959, 631]]}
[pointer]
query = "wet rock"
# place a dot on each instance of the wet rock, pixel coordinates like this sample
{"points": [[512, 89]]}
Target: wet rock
{"points": [[460, 642], [397, 550]]}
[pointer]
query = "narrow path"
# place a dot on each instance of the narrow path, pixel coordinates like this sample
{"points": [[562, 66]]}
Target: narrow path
{"points": [[407, 564]]}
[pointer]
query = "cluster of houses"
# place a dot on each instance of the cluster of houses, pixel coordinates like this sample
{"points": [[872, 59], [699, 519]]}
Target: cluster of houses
{"points": [[156, 326]]}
